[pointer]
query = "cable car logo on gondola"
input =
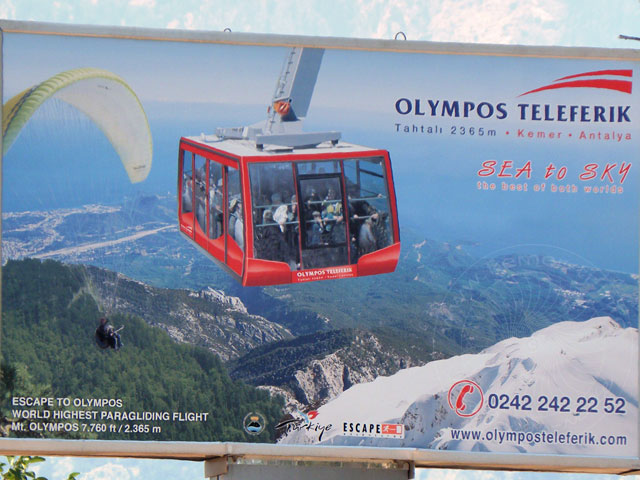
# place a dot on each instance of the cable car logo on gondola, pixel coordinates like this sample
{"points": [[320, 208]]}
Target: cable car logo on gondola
{"points": [[273, 204], [326, 274]]}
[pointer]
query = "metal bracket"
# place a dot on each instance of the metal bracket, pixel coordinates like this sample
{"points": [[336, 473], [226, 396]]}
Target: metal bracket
{"points": [[233, 468], [297, 140], [216, 467]]}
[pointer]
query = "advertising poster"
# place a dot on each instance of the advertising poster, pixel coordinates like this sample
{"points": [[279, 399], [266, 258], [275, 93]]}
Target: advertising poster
{"points": [[295, 246]]}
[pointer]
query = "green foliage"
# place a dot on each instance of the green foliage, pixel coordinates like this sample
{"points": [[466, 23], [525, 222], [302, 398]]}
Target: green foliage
{"points": [[48, 308], [18, 469]]}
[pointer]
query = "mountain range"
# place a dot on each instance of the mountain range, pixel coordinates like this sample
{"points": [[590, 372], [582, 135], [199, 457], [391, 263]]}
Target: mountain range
{"points": [[565, 378], [50, 316], [310, 342]]}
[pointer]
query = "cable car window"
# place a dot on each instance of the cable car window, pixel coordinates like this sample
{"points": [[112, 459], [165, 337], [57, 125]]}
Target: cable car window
{"points": [[200, 192], [368, 202], [236, 220], [318, 168], [216, 210], [324, 232], [187, 183], [275, 220]]}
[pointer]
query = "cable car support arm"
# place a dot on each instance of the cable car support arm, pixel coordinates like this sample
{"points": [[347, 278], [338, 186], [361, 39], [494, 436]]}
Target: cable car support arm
{"points": [[289, 106]]}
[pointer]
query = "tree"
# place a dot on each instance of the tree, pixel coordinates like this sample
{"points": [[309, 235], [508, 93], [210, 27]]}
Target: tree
{"points": [[18, 469]]}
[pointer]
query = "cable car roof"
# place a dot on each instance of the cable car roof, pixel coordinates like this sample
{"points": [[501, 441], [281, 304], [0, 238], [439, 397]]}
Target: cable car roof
{"points": [[247, 148]]}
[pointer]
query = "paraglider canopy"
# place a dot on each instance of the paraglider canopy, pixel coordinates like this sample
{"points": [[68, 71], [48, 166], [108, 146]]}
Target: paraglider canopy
{"points": [[101, 95]]}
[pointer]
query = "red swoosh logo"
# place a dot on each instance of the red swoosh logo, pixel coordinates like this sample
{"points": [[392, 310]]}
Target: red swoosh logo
{"points": [[608, 84]]}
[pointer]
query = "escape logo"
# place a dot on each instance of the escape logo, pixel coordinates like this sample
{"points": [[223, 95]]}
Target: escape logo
{"points": [[374, 430]]}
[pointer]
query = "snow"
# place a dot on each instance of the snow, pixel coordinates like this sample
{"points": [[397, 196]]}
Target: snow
{"points": [[577, 362]]}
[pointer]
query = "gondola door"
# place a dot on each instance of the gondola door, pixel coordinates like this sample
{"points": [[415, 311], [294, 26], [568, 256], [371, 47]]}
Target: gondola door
{"points": [[186, 193], [226, 220], [200, 200], [324, 232], [234, 221]]}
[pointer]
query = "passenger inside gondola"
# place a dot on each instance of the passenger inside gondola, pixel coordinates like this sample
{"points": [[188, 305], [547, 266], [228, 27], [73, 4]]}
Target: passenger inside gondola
{"points": [[271, 244], [323, 218], [307, 214], [215, 205], [366, 238], [312, 201], [187, 193], [293, 230], [236, 225], [201, 214], [333, 218], [315, 230]]}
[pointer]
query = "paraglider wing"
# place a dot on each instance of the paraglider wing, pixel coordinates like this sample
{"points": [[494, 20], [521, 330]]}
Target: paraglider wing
{"points": [[101, 95]]}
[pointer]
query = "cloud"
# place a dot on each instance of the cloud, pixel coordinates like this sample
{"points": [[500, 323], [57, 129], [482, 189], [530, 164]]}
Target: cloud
{"points": [[142, 3], [438, 474], [58, 467], [110, 471], [497, 21], [441, 474], [384, 19], [189, 22], [62, 467], [7, 9], [532, 22], [203, 15], [284, 16]]}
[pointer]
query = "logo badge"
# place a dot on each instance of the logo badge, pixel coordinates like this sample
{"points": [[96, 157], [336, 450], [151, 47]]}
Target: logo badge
{"points": [[254, 423], [466, 398], [373, 430]]}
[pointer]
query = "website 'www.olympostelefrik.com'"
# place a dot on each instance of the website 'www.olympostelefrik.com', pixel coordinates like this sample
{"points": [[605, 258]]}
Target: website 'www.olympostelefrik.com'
{"points": [[535, 438]]}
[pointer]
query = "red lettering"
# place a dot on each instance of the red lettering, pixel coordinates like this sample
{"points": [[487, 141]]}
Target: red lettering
{"points": [[562, 173], [505, 165], [549, 171], [607, 171], [590, 172], [526, 169], [488, 168], [624, 170]]}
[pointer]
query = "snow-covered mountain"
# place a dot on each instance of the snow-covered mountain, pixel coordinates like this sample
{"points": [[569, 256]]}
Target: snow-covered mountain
{"points": [[570, 388]]}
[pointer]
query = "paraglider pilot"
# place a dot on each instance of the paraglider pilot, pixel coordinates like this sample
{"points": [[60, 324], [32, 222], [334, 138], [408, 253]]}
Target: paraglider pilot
{"points": [[106, 336]]}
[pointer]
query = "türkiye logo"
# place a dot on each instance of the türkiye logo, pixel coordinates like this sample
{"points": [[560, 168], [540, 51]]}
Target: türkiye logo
{"points": [[595, 79], [466, 398]]}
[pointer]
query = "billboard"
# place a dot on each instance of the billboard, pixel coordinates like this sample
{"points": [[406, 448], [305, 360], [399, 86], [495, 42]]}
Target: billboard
{"points": [[409, 246]]}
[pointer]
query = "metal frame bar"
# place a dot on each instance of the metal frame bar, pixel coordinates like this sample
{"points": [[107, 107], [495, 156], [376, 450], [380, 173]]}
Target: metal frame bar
{"points": [[200, 451], [232, 38]]}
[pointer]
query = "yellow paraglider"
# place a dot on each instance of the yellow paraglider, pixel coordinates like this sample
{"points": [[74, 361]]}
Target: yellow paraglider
{"points": [[101, 95]]}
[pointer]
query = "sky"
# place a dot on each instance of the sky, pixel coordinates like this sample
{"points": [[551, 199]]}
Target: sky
{"points": [[595, 23], [531, 22]]}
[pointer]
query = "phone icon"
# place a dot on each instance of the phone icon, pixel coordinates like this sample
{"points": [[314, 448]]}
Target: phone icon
{"points": [[460, 405], [466, 398]]}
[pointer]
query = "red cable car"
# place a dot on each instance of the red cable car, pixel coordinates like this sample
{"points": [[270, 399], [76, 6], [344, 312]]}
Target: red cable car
{"points": [[274, 205]]}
